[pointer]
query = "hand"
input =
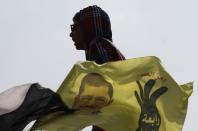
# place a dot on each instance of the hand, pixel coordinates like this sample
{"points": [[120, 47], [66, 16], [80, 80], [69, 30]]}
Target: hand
{"points": [[149, 118]]}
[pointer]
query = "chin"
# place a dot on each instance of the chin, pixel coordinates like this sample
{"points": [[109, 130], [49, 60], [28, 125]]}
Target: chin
{"points": [[79, 48]]}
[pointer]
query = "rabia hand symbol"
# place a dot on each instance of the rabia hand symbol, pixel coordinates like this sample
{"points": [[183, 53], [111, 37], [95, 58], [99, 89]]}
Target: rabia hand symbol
{"points": [[149, 118]]}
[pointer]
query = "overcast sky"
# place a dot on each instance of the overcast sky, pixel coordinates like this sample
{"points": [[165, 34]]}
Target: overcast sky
{"points": [[35, 45]]}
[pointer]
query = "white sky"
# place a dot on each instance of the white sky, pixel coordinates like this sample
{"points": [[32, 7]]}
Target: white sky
{"points": [[35, 45]]}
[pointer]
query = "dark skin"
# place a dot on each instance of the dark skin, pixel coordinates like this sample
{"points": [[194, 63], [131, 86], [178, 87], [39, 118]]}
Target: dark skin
{"points": [[77, 36]]}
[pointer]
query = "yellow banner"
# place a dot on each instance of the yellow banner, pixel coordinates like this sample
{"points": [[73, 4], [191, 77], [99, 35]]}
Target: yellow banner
{"points": [[131, 95]]}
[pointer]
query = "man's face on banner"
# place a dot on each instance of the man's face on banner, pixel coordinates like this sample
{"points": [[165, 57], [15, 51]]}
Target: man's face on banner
{"points": [[94, 97], [94, 93]]}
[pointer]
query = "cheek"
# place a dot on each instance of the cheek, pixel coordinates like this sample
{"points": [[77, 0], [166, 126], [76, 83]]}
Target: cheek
{"points": [[81, 36]]}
